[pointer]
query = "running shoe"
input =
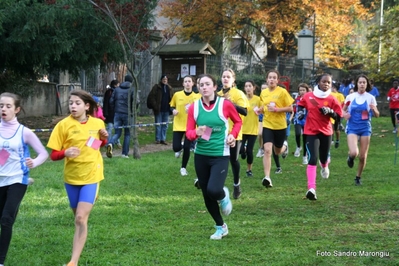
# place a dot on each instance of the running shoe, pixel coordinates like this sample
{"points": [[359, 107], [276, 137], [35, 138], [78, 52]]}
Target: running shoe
{"points": [[221, 231]]}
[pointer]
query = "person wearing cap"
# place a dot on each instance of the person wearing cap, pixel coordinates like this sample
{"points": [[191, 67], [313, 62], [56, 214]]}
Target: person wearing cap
{"points": [[119, 102], [158, 100]]}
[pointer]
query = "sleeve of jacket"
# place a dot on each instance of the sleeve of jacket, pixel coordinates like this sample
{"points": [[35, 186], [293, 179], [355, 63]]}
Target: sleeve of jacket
{"points": [[131, 100], [105, 103], [152, 97], [112, 99]]}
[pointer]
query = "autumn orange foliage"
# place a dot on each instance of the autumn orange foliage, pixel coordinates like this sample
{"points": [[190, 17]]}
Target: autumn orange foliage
{"points": [[270, 22]]}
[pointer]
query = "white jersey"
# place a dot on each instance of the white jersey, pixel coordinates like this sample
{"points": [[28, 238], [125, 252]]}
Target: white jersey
{"points": [[13, 152]]}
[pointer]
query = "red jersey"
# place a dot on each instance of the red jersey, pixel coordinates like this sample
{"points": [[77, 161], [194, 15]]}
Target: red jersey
{"points": [[393, 94], [316, 122]]}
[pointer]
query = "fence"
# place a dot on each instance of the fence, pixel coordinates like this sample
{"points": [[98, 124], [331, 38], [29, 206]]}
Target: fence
{"points": [[297, 70]]}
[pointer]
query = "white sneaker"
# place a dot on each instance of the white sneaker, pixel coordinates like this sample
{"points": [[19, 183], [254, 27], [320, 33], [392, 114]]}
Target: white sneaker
{"points": [[305, 160], [177, 154], [225, 204], [109, 151], [297, 152], [311, 194], [125, 156], [259, 154], [285, 153], [183, 172], [267, 182], [325, 172], [221, 231]]}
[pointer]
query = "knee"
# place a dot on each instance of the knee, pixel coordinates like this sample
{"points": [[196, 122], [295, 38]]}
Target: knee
{"points": [[352, 154], [80, 220], [176, 147], [362, 158], [214, 194], [7, 221]]}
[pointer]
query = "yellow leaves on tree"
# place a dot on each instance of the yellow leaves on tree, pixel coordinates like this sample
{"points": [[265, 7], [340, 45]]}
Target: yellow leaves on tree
{"points": [[269, 21]]}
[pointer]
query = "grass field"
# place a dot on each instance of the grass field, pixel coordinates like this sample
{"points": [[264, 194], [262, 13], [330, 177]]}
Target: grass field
{"points": [[147, 214]]}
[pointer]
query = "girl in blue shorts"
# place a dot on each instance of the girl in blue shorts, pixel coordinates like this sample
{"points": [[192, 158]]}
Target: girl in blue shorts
{"points": [[77, 139], [359, 107]]}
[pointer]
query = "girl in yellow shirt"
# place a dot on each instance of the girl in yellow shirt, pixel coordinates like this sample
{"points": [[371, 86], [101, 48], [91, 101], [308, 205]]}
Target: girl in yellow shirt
{"points": [[250, 126], [180, 102], [275, 103]]}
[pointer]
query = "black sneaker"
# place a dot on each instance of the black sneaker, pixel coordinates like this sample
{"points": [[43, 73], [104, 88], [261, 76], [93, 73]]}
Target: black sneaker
{"points": [[336, 144], [267, 182], [311, 194], [358, 182], [278, 170], [196, 184], [249, 173], [350, 162], [237, 192]]}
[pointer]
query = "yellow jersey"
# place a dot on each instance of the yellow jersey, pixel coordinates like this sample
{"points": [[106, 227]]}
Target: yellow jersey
{"points": [[88, 167], [281, 98], [180, 101], [251, 122], [237, 97]]}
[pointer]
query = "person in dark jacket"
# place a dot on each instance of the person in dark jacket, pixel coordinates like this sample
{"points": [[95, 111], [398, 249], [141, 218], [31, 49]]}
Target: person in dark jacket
{"points": [[120, 103], [107, 110], [158, 100]]}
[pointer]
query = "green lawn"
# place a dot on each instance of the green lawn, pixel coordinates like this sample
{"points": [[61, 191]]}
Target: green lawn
{"points": [[147, 214]]}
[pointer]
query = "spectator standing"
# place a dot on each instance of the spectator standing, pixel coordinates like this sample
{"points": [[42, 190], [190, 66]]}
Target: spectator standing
{"points": [[108, 110], [120, 103], [158, 100]]}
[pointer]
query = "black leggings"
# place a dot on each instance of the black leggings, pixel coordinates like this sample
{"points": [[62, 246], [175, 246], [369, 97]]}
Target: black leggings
{"points": [[10, 199], [249, 150], [393, 118], [177, 137], [298, 133], [337, 123], [318, 145], [212, 173], [235, 163]]}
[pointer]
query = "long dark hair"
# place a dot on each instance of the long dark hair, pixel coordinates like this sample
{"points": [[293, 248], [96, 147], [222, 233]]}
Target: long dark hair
{"points": [[86, 98], [368, 88]]}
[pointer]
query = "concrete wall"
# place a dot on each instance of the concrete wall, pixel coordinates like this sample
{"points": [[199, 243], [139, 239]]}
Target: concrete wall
{"points": [[43, 101]]}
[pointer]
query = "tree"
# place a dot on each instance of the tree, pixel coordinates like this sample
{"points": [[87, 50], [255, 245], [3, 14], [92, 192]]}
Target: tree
{"points": [[130, 21], [386, 36], [43, 36], [269, 22]]}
